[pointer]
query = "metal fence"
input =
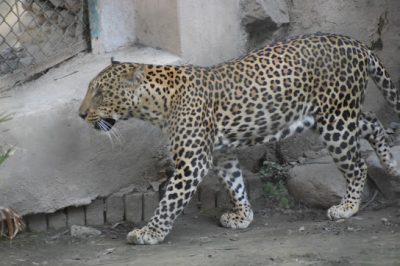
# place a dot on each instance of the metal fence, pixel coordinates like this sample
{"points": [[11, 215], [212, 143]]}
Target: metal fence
{"points": [[37, 34]]}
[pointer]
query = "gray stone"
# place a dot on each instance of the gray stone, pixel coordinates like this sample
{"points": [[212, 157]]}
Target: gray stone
{"points": [[76, 216], [251, 158], [134, 207], [37, 222], [74, 6], [57, 3], [193, 205], [317, 185], [65, 19], [207, 198], [95, 212], [150, 203], [208, 189], [57, 220], [254, 185], [115, 208], [263, 20], [84, 231], [223, 199], [388, 185], [254, 10]]}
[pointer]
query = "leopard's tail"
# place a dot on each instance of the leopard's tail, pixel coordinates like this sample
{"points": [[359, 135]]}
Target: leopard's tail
{"points": [[383, 81]]}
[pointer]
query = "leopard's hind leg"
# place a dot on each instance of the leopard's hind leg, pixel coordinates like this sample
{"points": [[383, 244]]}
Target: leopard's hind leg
{"points": [[341, 136], [373, 131]]}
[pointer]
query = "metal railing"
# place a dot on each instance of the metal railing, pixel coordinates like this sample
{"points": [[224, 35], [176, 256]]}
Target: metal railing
{"points": [[37, 34]]}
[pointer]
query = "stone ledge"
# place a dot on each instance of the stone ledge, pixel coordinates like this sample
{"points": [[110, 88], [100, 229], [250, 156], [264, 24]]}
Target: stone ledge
{"points": [[138, 207]]}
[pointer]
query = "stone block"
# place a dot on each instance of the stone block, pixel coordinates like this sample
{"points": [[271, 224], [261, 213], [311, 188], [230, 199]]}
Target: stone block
{"points": [[95, 212], [317, 185], [37, 222], [194, 204], [388, 185], [115, 208], [207, 198], [76, 216], [223, 199], [57, 220], [134, 207], [254, 185], [150, 203]]}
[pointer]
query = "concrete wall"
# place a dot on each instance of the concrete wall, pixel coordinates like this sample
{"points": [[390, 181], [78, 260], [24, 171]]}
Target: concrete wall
{"points": [[210, 31], [158, 24], [112, 24], [201, 32]]}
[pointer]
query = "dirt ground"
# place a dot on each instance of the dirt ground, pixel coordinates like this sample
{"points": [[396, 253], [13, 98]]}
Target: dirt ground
{"points": [[303, 237]]}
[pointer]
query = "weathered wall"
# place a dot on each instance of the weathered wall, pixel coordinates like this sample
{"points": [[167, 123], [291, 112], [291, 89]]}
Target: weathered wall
{"points": [[158, 24], [201, 32], [210, 31], [112, 25]]}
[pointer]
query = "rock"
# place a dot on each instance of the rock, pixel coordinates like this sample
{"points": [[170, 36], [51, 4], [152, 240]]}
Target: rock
{"points": [[263, 20], [388, 185], [254, 10], [74, 6], [84, 231], [317, 185], [65, 19], [251, 158], [57, 3], [311, 154]]}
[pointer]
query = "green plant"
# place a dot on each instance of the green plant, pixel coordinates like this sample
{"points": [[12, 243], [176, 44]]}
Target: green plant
{"points": [[278, 192], [272, 170], [3, 118], [4, 156], [274, 179]]}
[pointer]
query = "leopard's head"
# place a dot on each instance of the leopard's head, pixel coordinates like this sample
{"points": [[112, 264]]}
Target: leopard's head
{"points": [[112, 95]]}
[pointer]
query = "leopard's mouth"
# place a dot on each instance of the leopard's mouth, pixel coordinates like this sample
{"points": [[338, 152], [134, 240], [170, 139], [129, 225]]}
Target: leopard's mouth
{"points": [[104, 124]]}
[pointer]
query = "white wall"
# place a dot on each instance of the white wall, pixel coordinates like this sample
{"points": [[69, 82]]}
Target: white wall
{"points": [[210, 31], [158, 24], [115, 24]]}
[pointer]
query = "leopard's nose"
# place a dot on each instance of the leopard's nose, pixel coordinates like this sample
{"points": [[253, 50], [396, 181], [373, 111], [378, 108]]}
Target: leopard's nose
{"points": [[83, 115]]}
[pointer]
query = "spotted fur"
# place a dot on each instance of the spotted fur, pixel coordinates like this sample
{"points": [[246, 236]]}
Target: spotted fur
{"points": [[316, 81]]}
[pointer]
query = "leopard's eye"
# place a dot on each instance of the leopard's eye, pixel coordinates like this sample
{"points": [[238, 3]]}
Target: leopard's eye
{"points": [[98, 93]]}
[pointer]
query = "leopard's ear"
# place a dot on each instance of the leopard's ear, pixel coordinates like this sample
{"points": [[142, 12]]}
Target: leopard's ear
{"points": [[114, 62], [134, 76]]}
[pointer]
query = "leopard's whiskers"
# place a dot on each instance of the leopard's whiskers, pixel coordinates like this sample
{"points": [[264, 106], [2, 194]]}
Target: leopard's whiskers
{"points": [[104, 128]]}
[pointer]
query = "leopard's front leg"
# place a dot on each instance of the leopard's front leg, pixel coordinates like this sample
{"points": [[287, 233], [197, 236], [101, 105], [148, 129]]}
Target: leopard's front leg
{"points": [[192, 164]]}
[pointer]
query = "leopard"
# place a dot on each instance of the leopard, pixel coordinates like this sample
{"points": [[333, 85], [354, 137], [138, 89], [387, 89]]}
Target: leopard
{"points": [[310, 82]]}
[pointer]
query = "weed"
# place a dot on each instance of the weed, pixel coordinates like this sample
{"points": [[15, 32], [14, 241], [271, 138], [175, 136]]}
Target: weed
{"points": [[3, 118], [274, 178]]}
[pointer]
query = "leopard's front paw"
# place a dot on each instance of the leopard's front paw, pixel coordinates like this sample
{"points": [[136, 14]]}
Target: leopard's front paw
{"points": [[236, 220], [144, 236], [343, 210]]}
